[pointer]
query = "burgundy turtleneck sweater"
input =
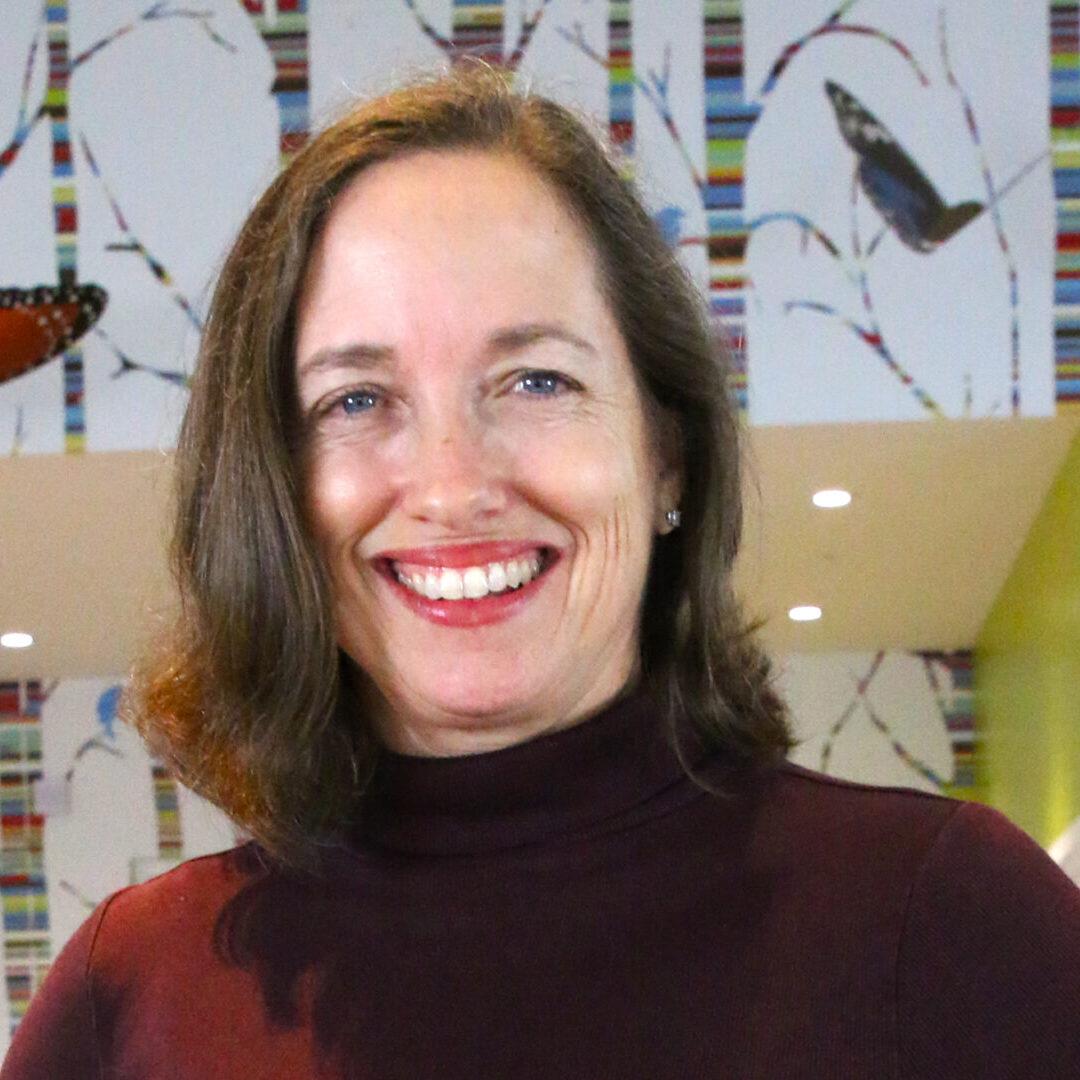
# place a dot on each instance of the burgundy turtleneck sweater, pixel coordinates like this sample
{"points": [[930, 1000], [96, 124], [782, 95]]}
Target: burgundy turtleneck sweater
{"points": [[575, 907]]}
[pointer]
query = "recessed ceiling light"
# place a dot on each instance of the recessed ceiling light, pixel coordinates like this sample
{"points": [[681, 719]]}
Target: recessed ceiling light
{"points": [[14, 639], [832, 497], [805, 613]]}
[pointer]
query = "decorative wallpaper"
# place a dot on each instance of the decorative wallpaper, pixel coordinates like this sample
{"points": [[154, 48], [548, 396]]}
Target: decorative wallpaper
{"points": [[23, 893], [85, 812], [885, 718], [1065, 141], [901, 212], [879, 199]]}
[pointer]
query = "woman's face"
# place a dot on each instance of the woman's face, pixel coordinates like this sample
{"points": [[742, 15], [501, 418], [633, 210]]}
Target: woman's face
{"points": [[481, 479]]}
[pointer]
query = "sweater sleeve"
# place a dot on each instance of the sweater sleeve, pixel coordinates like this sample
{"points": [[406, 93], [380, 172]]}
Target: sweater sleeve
{"points": [[988, 979], [56, 1038]]}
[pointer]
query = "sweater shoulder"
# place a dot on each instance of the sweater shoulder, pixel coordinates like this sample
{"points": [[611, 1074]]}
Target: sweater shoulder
{"points": [[851, 847], [192, 877], [67, 1028], [940, 829], [825, 787], [159, 935], [991, 941], [956, 849], [175, 905], [982, 928], [831, 812]]}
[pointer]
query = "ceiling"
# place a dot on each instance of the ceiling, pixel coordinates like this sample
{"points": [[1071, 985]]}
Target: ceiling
{"points": [[940, 512]]}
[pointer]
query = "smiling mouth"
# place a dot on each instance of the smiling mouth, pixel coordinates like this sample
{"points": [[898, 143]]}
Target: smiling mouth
{"points": [[471, 582]]}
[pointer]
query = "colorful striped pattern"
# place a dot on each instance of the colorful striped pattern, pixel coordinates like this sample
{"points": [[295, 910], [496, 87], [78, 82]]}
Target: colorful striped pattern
{"points": [[283, 28], [133, 244], [957, 706], [478, 30], [728, 120], [26, 122], [915, 764], [23, 893], [65, 211], [620, 76], [1065, 141], [167, 813], [954, 700], [840, 722], [730, 116], [833, 25]]}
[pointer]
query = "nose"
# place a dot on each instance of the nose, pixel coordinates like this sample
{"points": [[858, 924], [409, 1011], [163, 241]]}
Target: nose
{"points": [[455, 478]]}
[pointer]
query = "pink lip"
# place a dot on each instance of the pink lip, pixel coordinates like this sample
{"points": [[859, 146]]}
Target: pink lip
{"points": [[467, 613], [456, 556]]}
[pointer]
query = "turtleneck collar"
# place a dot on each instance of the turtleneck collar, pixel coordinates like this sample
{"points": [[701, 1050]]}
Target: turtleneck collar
{"points": [[567, 782]]}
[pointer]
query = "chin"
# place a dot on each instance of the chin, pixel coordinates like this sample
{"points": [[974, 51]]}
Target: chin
{"points": [[484, 713], [483, 704]]}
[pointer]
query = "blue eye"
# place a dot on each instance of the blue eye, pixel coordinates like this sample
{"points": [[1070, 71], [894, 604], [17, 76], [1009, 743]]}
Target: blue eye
{"points": [[543, 383], [356, 401]]}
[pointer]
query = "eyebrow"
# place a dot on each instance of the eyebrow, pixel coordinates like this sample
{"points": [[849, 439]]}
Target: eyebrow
{"points": [[513, 338], [356, 357], [360, 356]]}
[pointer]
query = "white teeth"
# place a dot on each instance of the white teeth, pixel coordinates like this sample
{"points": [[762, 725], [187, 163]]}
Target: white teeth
{"points": [[475, 582], [496, 577], [451, 586], [472, 582]]}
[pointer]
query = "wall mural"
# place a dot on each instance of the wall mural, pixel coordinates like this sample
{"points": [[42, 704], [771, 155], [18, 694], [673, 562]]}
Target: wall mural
{"points": [[1064, 124], [906, 237], [23, 894], [85, 812], [847, 181], [885, 718], [139, 134]]}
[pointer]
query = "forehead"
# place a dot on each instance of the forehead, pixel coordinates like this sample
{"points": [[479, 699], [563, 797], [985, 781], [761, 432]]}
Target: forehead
{"points": [[467, 226], [450, 185]]}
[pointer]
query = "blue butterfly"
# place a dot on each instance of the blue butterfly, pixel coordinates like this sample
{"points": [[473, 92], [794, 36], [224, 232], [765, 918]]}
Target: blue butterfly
{"points": [[908, 202]]}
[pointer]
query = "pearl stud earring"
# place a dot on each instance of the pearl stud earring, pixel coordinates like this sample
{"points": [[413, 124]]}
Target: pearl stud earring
{"points": [[673, 518]]}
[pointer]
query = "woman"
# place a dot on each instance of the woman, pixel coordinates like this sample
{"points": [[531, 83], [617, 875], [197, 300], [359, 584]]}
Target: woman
{"points": [[458, 502]]}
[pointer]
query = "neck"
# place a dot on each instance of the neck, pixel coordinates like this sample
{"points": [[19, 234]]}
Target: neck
{"points": [[592, 774]]}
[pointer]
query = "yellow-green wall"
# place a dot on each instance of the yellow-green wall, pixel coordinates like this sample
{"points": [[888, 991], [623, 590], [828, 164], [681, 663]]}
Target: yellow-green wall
{"points": [[1027, 671]]}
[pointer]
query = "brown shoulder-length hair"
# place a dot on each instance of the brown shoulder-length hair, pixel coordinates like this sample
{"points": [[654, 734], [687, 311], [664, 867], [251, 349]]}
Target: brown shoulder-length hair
{"points": [[245, 697]]}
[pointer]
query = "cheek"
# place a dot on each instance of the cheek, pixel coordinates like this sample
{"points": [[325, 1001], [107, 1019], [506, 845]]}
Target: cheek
{"points": [[342, 500], [594, 481]]}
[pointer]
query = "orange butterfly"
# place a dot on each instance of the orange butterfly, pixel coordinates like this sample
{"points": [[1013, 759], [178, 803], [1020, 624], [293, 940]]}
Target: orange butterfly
{"points": [[39, 323]]}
